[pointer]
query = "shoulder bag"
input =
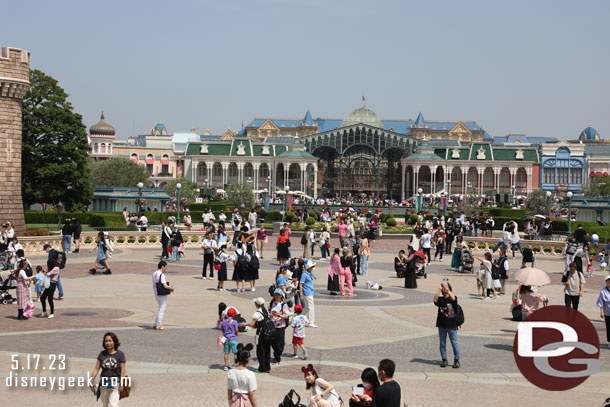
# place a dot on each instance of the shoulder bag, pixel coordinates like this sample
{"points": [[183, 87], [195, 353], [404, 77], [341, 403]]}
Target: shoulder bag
{"points": [[161, 290]]}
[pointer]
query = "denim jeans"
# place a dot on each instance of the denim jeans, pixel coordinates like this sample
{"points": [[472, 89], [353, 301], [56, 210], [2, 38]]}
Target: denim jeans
{"points": [[518, 244], [498, 245], [325, 252], [442, 336], [364, 264], [59, 287], [175, 254], [67, 243]]}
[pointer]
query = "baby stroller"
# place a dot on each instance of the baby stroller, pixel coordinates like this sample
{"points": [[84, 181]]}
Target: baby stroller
{"points": [[5, 261], [419, 264], [288, 400], [466, 261], [10, 283]]}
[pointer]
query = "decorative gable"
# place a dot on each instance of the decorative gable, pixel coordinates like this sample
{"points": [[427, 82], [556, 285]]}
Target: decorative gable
{"points": [[265, 150], [204, 149], [241, 149], [460, 130], [455, 153], [481, 154], [519, 155]]}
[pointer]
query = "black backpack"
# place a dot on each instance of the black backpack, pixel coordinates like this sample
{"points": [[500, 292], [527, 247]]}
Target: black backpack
{"points": [[459, 315], [304, 239], [255, 262], [266, 326], [61, 260], [495, 272], [28, 271], [242, 261]]}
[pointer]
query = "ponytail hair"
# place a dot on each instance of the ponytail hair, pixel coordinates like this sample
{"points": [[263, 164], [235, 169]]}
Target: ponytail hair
{"points": [[243, 353]]}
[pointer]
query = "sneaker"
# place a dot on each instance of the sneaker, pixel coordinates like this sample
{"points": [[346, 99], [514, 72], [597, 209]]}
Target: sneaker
{"points": [[221, 289], [203, 278], [305, 355], [92, 271], [444, 363], [51, 316], [211, 277], [59, 299], [456, 364], [44, 314], [295, 355], [107, 272], [226, 368], [312, 326], [253, 289]]}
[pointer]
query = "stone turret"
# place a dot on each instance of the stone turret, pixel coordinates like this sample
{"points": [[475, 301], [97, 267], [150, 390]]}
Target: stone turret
{"points": [[14, 83]]}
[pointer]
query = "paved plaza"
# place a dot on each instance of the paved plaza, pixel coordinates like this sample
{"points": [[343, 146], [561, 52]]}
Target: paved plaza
{"points": [[183, 366]]}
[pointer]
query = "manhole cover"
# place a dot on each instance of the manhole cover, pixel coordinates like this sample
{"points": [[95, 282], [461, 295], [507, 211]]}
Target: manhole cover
{"points": [[79, 314]]}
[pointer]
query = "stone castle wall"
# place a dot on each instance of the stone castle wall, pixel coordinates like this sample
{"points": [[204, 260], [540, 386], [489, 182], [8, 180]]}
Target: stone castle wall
{"points": [[14, 83]]}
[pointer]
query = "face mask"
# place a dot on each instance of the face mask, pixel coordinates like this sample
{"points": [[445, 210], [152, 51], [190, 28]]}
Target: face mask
{"points": [[367, 385]]}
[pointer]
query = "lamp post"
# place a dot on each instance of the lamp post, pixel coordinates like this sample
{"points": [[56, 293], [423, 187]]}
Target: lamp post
{"points": [[548, 203], [512, 190], [266, 198], [140, 185], [448, 191], [419, 200], [178, 188], [444, 201], [206, 185], [468, 189], [285, 205], [569, 195]]}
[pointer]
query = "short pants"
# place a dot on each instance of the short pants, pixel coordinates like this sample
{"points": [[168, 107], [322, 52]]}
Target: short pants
{"points": [[297, 341], [230, 347]]}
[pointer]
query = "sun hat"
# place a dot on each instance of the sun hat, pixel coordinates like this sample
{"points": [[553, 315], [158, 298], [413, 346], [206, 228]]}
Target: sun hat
{"points": [[259, 301]]}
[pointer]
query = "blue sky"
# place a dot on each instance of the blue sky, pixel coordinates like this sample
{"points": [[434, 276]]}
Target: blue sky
{"points": [[535, 67]]}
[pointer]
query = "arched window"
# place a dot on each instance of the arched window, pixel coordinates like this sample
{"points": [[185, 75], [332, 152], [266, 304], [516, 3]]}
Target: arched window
{"points": [[134, 158], [150, 161]]}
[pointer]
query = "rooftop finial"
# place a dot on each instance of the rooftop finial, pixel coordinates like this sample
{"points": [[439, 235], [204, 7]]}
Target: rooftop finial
{"points": [[363, 101], [102, 116]]}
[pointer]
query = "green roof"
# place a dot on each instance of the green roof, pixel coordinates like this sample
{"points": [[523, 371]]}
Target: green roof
{"points": [[424, 156], [280, 149], [474, 152], [296, 154], [508, 154], [213, 149], [245, 143]]}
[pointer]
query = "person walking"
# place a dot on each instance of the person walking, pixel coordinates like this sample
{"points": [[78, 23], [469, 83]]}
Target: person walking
{"points": [[569, 251], [241, 261], [22, 287], [261, 336], [283, 242], [241, 382], [446, 322], [334, 271], [54, 255], [66, 232], [324, 243], [159, 278], [603, 302], [365, 253], [102, 256], [574, 282], [355, 243], [261, 239], [503, 269], [111, 361], [209, 247], [175, 242], [77, 229], [188, 220], [426, 244], [346, 273], [280, 314], [515, 240], [50, 284], [166, 235], [306, 291], [342, 232]]}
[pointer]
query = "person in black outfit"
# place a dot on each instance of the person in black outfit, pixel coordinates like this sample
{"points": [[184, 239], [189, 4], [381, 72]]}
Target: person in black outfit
{"points": [[581, 235], [389, 393], [77, 229], [165, 238], [449, 240], [263, 342], [446, 322]]}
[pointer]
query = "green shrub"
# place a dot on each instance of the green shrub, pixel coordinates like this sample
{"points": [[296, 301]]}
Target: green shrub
{"points": [[194, 239], [273, 216], [391, 222], [131, 239], [132, 227], [471, 245], [142, 239], [558, 250], [36, 232], [120, 239], [310, 221], [290, 217], [481, 245], [536, 249], [547, 249], [97, 221], [413, 219], [152, 239], [89, 240]]}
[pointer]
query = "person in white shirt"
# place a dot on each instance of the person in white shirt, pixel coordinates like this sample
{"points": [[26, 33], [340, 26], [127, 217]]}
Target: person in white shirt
{"points": [[108, 242], [187, 220], [159, 277], [426, 244], [13, 247], [222, 219], [514, 238], [205, 218], [209, 247], [241, 382], [143, 223], [252, 218]]}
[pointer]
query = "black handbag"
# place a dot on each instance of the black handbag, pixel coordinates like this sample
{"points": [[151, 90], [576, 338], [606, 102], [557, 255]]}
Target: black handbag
{"points": [[161, 290]]}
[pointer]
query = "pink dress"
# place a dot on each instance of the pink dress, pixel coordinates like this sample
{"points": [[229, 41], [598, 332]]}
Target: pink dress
{"points": [[22, 291]]}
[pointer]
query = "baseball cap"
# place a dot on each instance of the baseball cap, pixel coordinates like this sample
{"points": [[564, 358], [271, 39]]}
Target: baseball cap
{"points": [[259, 301], [286, 265], [607, 278], [298, 308], [46, 246], [279, 291], [231, 312], [309, 264]]}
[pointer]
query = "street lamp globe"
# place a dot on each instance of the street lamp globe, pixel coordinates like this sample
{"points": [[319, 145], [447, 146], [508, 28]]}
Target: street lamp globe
{"points": [[570, 194], [420, 191], [140, 185], [548, 194], [178, 185], [265, 190], [287, 188]]}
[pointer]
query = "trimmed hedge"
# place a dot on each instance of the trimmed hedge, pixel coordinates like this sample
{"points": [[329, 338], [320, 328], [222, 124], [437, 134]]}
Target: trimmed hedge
{"points": [[310, 221], [95, 219], [290, 217], [273, 216], [507, 212], [390, 221]]}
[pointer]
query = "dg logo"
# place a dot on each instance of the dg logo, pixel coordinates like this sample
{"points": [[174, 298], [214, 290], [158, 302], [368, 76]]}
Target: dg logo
{"points": [[556, 348]]}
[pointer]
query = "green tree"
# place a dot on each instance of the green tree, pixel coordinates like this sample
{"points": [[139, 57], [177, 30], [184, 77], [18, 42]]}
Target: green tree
{"points": [[238, 194], [600, 187], [536, 201], [118, 172], [188, 190], [54, 152]]}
